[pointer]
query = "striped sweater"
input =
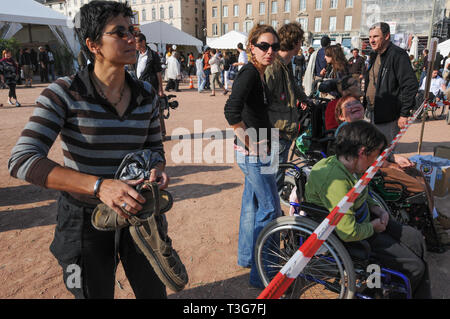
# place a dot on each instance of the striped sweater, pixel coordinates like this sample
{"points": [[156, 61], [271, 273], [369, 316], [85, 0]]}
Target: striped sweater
{"points": [[94, 138]]}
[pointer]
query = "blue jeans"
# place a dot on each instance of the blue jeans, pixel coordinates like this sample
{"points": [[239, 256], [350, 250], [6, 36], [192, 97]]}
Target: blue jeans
{"points": [[51, 70], [260, 205], [285, 146], [201, 83]]}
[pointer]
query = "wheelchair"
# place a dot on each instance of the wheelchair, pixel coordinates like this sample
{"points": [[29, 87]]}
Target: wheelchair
{"points": [[437, 108], [405, 207], [338, 270]]}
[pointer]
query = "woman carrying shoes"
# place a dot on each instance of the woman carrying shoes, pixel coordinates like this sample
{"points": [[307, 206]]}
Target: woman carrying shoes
{"points": [[102, 114]]}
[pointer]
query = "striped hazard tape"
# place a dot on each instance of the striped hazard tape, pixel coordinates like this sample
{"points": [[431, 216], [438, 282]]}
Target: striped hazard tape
{"points": [[300, 259]]}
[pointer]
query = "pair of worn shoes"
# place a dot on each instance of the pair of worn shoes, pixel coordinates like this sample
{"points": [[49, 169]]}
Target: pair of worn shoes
{"points": [[148, 228]]}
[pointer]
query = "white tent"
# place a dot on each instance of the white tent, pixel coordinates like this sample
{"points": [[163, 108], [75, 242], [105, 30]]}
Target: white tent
{"points": [[444, 47], [229, 40], [30, 11], [163, 33]]}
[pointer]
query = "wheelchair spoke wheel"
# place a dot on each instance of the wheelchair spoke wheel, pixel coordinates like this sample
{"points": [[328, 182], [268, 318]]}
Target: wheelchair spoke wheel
{"points": [[328, 275]]}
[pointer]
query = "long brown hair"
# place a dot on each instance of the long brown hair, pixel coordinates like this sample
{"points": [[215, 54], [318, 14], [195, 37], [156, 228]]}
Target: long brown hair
{"points": [[254, 35], [338, 60]]}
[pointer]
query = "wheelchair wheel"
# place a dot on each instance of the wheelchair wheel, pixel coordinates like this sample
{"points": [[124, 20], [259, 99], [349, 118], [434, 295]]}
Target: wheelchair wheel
{"points": [[438, 111], [328, 275]]}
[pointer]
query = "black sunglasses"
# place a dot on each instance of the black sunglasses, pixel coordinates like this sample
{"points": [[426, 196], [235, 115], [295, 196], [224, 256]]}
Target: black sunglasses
{"points": [[264, 46], [123, 33]]}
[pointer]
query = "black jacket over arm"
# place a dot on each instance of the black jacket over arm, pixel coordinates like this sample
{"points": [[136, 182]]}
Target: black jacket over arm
{"points": [[152, 67], [396, 85]]}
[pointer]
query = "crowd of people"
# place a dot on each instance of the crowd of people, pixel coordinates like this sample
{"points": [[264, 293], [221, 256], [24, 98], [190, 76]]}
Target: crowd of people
{"points": [[20, 70], [120, 115]]}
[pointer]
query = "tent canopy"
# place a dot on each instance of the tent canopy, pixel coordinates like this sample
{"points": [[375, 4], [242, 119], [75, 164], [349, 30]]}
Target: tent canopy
{"points": [[229, 40], [444, 47], [30, 11], [163, 33]]}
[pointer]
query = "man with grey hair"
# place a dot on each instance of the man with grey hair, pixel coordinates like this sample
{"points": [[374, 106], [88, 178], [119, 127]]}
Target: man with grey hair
{"points": [[392, 84]]}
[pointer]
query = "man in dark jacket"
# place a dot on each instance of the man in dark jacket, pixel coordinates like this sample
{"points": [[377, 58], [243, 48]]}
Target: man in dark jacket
{"points": [[357, 65], [43, 65], [391, 83]]}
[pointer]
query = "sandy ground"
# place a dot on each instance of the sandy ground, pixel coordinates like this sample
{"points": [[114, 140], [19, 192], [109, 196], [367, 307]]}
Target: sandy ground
{"points": [[203, 222]]}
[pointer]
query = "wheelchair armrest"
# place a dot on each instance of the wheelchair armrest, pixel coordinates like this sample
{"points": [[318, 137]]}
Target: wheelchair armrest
{"points": [[316, 212]]}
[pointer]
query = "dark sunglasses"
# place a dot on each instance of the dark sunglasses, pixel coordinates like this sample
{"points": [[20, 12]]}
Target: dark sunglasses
{"points": [[264, 46], [123, 33]]}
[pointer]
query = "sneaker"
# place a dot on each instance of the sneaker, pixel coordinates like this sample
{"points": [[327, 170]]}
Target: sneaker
{"points": [[17, 104], [9, 102], [152, 239]]}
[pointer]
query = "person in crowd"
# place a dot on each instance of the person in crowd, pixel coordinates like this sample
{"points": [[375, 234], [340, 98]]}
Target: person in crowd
{"points": [[118, 116], [300, 66], [10, 70], [283, 111], [243, 58], [51, 62], [191, 64], [357, 65], [437, 88], [207, 67], [27, 67], [201, 77], [423, 62], [338, 63], [148, 67], [246, 112], [19, 64], [173, 73], [43, 64], [228, 60], [320, 68], [391, 85], [396, 246], [214, 62]]}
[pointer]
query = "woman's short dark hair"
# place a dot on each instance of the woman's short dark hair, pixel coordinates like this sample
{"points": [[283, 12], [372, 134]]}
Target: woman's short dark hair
{"points": [[354, 135], [92, 19]]}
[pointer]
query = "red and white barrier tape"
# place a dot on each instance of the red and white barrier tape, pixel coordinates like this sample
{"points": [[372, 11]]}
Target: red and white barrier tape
{"points": [[300, 259]]}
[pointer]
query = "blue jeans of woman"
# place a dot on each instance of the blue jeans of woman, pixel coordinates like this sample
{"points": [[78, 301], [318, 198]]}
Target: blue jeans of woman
{"points": [[201, 81], [260, 205]]}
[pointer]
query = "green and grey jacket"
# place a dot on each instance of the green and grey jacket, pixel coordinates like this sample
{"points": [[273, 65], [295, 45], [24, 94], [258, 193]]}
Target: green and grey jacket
{"points": [[283, 111]]}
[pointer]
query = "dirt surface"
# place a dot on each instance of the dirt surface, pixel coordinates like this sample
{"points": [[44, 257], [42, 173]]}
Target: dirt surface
{"points": [[203, 222]]}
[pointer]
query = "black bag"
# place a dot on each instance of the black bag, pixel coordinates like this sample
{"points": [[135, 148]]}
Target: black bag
{"points": [[232, 72]]}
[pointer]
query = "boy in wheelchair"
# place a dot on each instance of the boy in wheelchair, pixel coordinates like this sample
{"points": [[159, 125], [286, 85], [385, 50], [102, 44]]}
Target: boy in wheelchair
{"points": [[396, 246]]}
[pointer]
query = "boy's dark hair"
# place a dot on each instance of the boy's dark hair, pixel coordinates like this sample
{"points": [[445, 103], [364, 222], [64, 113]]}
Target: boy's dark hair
{"points": [[213, 51], [325, 41], [240, 46], [290, 35], [141, 37], [92, 19], [359, 134]]}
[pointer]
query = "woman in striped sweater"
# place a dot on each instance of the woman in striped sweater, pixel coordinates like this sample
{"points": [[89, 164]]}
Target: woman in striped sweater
{"points": [[102, 114]]}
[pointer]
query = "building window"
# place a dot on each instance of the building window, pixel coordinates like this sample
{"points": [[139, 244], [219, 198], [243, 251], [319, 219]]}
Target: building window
{"points": [[153, 13], [318, 4], [302, 5], [248, 26], [248, 9], [170, 12], [332, 26], [262, 7], [274, 24], [317, 24], [349, 3], [236, 26], [214, 12], [274, 7], [214, 29], [236, 10], [144, 15], [333, 4], [143, 1], [303, 22], [347, 23], [287, 5], [161, 12], [225, 28], [225, 11]]}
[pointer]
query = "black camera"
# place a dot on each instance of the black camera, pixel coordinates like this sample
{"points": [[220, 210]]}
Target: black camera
{"points": [[166, 105]]}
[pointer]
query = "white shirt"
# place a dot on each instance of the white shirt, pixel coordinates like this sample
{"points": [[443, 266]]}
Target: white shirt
{"points": [[142, 62], [242, 58], [435, 85], [173, 68]]}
